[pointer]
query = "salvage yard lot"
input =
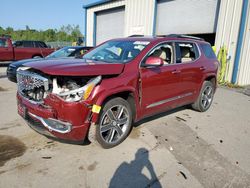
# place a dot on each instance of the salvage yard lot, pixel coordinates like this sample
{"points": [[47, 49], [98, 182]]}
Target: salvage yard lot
{"points": [[180, 148]]}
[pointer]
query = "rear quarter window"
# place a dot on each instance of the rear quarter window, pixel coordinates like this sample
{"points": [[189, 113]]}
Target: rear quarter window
{"points": [[208, 51], [42, 45]]}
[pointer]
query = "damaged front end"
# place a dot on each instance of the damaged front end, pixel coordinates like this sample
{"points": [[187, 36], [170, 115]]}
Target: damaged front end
{"points": [[55, 103], [36, 86]]}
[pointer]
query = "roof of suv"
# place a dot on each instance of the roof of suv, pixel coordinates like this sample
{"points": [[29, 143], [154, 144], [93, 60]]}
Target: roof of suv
{"points": [[163, 37]]}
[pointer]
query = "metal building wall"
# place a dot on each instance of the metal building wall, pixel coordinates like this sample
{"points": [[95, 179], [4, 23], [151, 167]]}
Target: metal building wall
{"points": [[244, 67], [228, 29], [139, 17], [90, 26]]}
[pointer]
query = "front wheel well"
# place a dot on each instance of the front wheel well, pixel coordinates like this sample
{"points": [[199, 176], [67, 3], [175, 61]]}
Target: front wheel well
{"points": [[129, 97]]}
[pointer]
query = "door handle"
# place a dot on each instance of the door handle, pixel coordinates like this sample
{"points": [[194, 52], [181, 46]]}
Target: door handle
{"points": [[176, 71], [202, 68]]}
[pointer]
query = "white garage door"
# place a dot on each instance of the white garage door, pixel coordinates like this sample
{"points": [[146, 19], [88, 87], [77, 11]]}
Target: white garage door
{"points": [[186, 16], [109, 24]]}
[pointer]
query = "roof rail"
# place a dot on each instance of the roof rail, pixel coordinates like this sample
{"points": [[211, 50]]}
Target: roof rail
{"points": [[181, 36], [136, 36]]}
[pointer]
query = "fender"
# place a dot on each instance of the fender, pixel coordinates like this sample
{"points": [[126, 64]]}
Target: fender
{"points": [[108, 93]]}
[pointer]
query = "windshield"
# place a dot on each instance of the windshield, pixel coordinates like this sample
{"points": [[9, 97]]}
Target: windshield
{"points": [[63, 52], [117, 51]]}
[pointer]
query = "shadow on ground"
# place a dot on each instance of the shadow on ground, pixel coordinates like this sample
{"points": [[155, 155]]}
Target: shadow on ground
{"points": [[131, 174]]}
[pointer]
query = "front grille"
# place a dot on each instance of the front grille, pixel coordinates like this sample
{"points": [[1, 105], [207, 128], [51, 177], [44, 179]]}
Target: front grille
{"points": [[32, 85]]}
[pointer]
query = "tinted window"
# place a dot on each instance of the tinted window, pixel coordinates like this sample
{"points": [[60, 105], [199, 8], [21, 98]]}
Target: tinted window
{"points": [[3, 43], [28, 44], [187, 52], [42, 44], [18, 44], [37, 44], [208, 51]]}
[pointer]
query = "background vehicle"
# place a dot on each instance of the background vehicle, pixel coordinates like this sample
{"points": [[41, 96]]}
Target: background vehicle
{"points": [[22, 49], [30, 44], [116, 84], [66, 52]]}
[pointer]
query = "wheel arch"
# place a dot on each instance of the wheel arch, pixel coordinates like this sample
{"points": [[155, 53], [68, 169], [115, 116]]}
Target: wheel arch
{"points": [[129, 95], [37, 55], [212, 78]]}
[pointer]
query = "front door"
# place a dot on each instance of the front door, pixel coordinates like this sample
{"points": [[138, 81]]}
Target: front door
{"points": [[160, 85]]}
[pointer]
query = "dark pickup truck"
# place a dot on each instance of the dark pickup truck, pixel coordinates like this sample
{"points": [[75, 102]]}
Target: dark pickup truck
{"points": [[12, 52]]}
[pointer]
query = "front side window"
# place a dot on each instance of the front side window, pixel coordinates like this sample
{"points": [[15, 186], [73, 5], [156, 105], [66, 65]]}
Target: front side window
{"points": [[187, 52], [3, 43], [163, 51], [117, 51]]}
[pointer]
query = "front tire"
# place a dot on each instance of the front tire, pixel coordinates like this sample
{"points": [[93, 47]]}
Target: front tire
{"points": [[205, 98], [114, 124]]}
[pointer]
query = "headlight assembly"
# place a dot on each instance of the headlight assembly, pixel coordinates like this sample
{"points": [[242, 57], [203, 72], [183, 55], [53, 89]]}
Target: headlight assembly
{"points": [[81, 93]]}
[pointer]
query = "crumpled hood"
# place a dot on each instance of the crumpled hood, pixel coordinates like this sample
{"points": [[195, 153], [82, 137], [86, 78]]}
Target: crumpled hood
{"points": [[76, 67]]}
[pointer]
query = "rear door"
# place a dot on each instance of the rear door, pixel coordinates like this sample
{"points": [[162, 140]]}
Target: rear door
{"points": [[160, 86], [191, 70], [6, 50]]}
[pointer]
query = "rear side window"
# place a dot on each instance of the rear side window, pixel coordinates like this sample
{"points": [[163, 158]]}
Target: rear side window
{"points": [[186, 52], [28, 44], [208, 51]]}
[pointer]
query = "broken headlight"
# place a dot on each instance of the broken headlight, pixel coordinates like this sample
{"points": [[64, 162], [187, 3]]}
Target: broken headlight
{"points": [[76, 94]]}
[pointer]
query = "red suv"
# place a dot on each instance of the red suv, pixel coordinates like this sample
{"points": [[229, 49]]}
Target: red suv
{"points": [[116, 84]]}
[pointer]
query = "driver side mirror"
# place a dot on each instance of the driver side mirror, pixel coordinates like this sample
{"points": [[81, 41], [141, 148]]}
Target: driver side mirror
{"points": [[153, 62]]}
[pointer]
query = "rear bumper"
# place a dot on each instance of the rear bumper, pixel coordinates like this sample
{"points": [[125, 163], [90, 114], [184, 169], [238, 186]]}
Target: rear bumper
{"points": [[57, 118]]}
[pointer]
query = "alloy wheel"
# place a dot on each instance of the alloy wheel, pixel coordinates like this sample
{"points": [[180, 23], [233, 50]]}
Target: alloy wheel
{"points": [[207, 97], [114, 124]]}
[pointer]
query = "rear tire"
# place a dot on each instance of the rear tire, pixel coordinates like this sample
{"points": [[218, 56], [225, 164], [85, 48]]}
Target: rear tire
{"points": [[205, 98], [114, 124]]}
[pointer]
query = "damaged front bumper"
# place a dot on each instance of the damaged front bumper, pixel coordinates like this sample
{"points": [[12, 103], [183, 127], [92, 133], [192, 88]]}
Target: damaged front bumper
{"points": [[53, 124], [56, 117]]}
